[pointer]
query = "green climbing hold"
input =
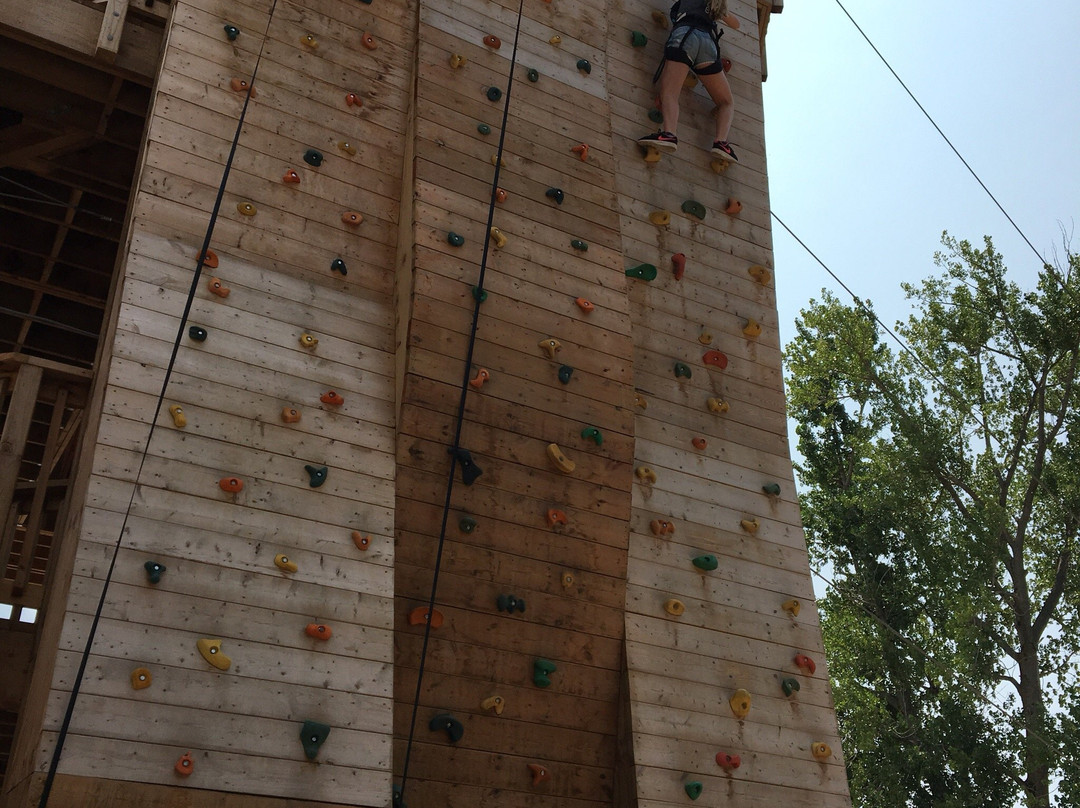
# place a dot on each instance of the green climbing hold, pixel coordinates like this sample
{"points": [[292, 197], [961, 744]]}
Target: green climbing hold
{"points": [[565, 372], [583, 64], [542, 670], [454, 239], [706, 562], [772, 489], [494, 93], [638, 39], [556, 194], [579, 245], [337, 265], [593, 434], [533, 75], [316, 475], [483, 129], [312, 736], [790, 686], [646, 272], [694, 208], [656, 116], [479, 295], [197, 333], [232, 32], [154, 571], [509, 603], [682, 370], [693, 789], [467, 524], [313, 158]]}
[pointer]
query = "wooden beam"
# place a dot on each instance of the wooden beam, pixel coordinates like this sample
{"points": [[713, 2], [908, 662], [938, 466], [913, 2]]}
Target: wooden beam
{"points": [[112, 26], [16, 428]]}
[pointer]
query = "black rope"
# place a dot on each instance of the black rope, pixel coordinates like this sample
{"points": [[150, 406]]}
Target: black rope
{"points": [[478, 296], [77, 684]]}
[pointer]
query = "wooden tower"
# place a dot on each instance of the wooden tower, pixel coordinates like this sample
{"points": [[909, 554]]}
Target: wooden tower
{"points": [[548, 400]]}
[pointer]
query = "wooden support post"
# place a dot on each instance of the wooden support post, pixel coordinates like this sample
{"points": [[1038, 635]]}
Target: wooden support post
{"points": [[112, 26], [16, 428]]}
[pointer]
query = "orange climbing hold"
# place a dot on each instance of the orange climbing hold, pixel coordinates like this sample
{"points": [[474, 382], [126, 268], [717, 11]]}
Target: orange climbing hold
{"points": [[290, 415], [715, 358], [585, 305], [727, 761], [678, 265], [540, 773], [332, 398], [419, 616], [581, 150], [699, 443], [500, 195], [492, 41], [360, 540], [482, 375], [185, 765], [661, 527], [368, 41], [320, 631], [351, 217], [290, 176], [210, 259], [241, 85], [806, 663], [734, 207], [555, 517], [216, 287], [231, 485], [353, 100]]}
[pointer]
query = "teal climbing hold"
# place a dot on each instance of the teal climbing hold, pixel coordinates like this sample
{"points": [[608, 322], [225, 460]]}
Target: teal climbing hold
{"points": [[313, 158], [398, 799], [565, 372], [533, 74], [338, 265], [656, 116], [154, 571], [479, 295], [483, 129], [509, 603], [448, 724], [316, 475], [693, 789], [197, 333], [790, 686], [579, 245], [467, 524], [593, 434], [638, 39], [542, 670], [454, 239], [693, 208], [772, 489], [645, 272], [494, 93], [706, 562], [682, 370], [232, 32], [312, 736], [583, 65], [556, 194]]}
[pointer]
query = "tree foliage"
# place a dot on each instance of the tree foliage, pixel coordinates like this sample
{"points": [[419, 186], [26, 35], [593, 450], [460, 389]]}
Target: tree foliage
{"points": [[942, 490]]}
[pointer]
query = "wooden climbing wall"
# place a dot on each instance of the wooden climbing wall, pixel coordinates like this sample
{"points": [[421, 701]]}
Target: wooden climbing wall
{"points": [[242, 725]]}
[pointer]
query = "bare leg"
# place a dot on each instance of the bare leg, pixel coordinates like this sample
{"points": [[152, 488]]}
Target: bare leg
{"points": [[669, 87], [716, 85]]}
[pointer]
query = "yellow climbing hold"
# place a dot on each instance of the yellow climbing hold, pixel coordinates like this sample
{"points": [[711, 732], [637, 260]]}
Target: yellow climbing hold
{"points": [[740, 703], [675, 607], [661, 218], [561, 461], [750, 525], [498, 238], [752, 328], [212, 653]]}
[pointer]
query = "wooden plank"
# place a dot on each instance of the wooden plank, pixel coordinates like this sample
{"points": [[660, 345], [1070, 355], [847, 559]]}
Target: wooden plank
{"points": [[17, 422], [112, 27]]}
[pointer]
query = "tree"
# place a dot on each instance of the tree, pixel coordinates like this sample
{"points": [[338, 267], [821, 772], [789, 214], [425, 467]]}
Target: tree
{"points": [[942, 488]]}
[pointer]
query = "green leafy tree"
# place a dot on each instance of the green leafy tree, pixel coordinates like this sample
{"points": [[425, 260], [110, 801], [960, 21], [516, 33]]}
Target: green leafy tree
{"points": [[942, 489]]}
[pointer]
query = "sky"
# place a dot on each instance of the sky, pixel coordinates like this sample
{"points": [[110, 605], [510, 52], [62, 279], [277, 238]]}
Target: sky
{"points": [[861, 176]]}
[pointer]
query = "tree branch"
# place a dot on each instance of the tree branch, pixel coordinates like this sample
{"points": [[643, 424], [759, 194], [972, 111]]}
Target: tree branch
{"points": [[1054, 595]]}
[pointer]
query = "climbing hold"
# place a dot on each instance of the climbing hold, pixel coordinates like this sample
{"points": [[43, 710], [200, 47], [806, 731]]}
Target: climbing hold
{"points": [[719, 166], [242, 86], [246, 209], [565, 372], [231, 485], [750, 525], [319, 631], [726, 63], [579, 245], [184, 765], [154, 571], [727, 761], [347, 147], [493, 93], [467, 524], [556, 194], [308, 341], [652, 154], [662, 527], [646, 475], [316, 475], [682, 370], [692, 208], [678, 265], [338, 265], [792, 607], [715, 358], [567, 580], [492, 41], [693, 788], [351, 217], [638, 39], [216, 287], [500, 195], [555, 40], [656, 116], [209, 259], [593, 434], [141, 678], [457, 60], [212, 653], [540, 773], [498, 237], [706, 562], [740, 703], [312, 736], [790, 686], [584, 66], [283, 563], [555, 517], [550, 346], [645, 272], [334, 399], [353, 100], [368, 41], [759, 274], [705, 337], [533, 75], [360, 540], [542, 670], [310, 41], [231, 31], [806, 663], [752, 328], [821, 751], [675, 607], [660, 18], [482, 375], [690, 81], [639, 401], [313, 157], [496, 703], [772, 489], [661, 218], [585, 305], [453, 728], [454, 239], [483, 129], [509, 603], [581, 150], [562, 463], [178, 418], [469, 470], [717, 405], [699, 443], [733, 207]]}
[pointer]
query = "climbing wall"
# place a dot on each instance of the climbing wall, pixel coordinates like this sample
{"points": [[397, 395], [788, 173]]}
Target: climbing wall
{"points": [[525, 650], [253, 591], [729, 696]]}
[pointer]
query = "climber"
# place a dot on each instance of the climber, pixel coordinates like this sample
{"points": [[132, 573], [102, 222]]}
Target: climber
{"points": [[694, 44]]}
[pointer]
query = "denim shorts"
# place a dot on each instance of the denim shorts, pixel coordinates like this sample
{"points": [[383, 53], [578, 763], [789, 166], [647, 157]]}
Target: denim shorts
{"points": [[691, 46]]}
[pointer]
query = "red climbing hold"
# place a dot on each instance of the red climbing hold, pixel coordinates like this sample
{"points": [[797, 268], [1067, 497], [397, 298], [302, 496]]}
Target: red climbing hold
{"points": [[715, 358], [678, 265]]}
